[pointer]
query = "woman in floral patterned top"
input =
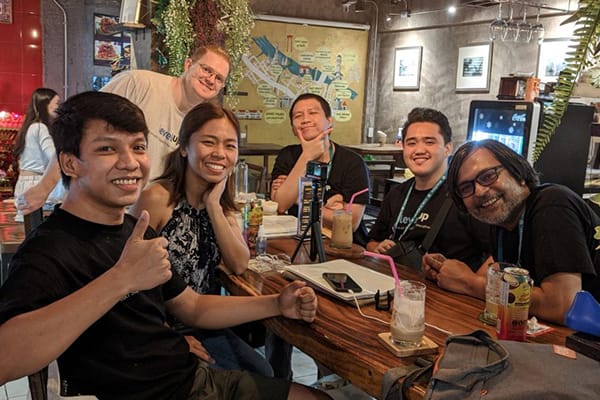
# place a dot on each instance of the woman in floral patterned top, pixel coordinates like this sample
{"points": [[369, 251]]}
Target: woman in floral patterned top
{"points": [[190, 205]]}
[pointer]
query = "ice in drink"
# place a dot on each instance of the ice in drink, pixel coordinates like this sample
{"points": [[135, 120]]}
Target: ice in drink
{"points": [[408, 315]]}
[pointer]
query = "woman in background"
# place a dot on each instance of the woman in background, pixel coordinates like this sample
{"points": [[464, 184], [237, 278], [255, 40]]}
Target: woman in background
{"points": [[34, 148], [190, 205]]}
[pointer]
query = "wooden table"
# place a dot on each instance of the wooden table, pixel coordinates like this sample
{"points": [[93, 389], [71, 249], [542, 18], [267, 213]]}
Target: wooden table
{"points": [[261, 149], [375, 149], [12, 234], [378, 168], [347, 343]]}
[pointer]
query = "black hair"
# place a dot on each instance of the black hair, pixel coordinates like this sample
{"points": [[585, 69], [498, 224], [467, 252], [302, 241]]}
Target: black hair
{"points": [[176, 163], [74, 115], [421, 114], [37, 111], [515, 164], [324, 104]]}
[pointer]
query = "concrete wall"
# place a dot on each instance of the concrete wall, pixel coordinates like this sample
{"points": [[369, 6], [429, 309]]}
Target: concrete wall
{"points": [[439, 34], [441, 37]]}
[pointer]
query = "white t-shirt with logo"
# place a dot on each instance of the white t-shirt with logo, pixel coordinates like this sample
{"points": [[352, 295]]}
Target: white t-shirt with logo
{"points": [[151, 91]]}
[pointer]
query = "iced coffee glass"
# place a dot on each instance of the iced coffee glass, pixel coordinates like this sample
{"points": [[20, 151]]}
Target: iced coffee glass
{"points": [[341, 232], [408, 315]]}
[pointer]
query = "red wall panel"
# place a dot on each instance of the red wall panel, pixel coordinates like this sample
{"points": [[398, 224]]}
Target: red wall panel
{"points": [[21, 64]]}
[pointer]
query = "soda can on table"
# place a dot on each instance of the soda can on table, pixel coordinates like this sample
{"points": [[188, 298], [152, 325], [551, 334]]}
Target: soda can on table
{"points": [[513, 307]]}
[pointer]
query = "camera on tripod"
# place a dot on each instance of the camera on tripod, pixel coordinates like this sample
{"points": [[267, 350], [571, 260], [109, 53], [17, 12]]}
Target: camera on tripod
{"points": [[317, 170]]}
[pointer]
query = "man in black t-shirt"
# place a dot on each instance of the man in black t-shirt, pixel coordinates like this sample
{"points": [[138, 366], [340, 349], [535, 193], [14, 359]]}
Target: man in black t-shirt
{"points": [[409, 210], [310, 116], [546, 229], [92, 286]]}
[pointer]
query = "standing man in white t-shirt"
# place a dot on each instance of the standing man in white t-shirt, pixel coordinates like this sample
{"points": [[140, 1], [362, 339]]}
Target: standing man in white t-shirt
{"points": [[164, 100]]}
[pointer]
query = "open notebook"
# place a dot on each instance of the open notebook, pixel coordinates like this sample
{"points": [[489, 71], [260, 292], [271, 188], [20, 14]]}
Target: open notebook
{"points": [[369, 280]]}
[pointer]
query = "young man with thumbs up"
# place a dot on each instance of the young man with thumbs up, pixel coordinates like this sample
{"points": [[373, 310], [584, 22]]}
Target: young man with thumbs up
{"points": [[91, 286]]}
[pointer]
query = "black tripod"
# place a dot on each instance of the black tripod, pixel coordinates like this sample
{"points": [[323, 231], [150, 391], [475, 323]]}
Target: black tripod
{"points": [[316, 238]]}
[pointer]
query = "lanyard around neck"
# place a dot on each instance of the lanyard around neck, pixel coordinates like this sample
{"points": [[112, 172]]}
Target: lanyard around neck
{"points": [[501, 241], [330, 163], [417, 212]]}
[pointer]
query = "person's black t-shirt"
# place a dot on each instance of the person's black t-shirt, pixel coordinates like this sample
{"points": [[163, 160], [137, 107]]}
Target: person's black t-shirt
{"points": [[559, 235], [348, 175], [460, 236], [128, 353]]}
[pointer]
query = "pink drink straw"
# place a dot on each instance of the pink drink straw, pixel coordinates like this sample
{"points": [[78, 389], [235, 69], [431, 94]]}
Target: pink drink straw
{"points": [[392, 267], [349, 205]]}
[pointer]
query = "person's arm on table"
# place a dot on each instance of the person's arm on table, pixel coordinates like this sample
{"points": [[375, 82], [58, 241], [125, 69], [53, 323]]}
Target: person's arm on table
{"points": [[296, 301], [551, 300], [380, 247], [35, 197], [455, 275], [32, 340]]}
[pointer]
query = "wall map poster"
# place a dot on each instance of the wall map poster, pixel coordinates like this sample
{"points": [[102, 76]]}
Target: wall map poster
{"points": [[286, 60]]}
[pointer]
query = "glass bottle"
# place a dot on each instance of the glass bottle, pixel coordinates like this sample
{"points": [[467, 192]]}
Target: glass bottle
{"points": [[241, 182]]}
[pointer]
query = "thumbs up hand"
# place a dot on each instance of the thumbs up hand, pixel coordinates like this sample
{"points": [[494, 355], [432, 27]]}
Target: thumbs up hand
{"points": [[144, 263]]}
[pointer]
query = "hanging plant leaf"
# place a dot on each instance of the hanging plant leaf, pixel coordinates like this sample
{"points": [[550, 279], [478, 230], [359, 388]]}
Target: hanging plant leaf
{"points": [[586, 37]]}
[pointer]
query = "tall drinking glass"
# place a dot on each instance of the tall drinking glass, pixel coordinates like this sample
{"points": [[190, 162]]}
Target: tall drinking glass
{"points": [[524, 28], [537, 30], [498, 26], [408, 314], [512, 28]]}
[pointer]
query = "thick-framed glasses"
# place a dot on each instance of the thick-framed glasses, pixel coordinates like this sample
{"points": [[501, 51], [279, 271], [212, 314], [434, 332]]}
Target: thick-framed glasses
{"points": [[484, 178], [207, 70]]}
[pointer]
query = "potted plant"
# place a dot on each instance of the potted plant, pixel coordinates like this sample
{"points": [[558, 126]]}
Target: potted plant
{"points": [[585, 55]]}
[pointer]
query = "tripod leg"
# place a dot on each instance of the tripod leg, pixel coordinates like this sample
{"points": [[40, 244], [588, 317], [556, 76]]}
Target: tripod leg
{"points": [[302, 238], [316, 242]]}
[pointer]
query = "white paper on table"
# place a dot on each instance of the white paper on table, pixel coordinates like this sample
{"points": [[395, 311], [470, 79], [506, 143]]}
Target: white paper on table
{"points": [[276, 225]]}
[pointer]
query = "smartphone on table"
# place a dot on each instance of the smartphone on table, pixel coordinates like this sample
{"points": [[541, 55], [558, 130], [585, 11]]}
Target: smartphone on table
{"points": [[341, 282]]}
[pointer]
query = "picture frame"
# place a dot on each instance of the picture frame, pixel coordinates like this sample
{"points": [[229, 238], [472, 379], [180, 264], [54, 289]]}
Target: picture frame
{"points": [[407, 67], [474, 68], [552, 57], [6, 12], [111, 45]]}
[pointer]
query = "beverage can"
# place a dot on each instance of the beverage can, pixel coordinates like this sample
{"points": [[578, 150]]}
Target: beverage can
{"points": [[513, 305]]}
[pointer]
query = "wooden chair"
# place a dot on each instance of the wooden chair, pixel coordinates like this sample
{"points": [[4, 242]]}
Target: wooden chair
{"points": [[257, 179], [38, 382]]}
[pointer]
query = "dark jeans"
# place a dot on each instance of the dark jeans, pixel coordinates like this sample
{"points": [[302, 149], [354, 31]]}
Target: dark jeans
{"points": [[279, 354], [229, 351]]}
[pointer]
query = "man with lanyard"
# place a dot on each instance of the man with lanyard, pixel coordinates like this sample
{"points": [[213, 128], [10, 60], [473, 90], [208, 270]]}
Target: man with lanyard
{"points": [[546, 229], [410, 209], [310, 117]]}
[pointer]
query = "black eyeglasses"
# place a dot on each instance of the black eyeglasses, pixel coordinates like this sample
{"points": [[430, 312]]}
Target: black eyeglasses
{"points": [[208, 71], [484, 178]]}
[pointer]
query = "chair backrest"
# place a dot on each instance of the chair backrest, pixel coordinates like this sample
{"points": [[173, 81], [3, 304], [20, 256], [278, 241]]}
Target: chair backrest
{"points": [[257, 179], [38, 382]]}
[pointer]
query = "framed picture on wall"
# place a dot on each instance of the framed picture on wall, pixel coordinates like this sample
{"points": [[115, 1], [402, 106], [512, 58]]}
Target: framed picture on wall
{"points": [[407, 68], [552, 58], [474, 67], [5, 11]]}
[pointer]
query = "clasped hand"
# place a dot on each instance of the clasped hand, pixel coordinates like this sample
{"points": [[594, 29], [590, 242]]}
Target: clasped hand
{"points": [[298, 301]]}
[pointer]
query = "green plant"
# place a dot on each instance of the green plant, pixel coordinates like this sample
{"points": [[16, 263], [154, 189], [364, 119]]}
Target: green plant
{"points": [[179, 33], [236, 23], [584, 53]]}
